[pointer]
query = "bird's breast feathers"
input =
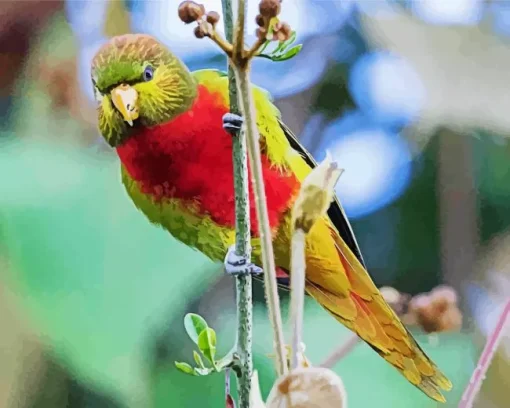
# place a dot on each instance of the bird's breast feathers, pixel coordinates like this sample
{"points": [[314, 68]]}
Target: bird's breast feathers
{"points": [[180, 174]]}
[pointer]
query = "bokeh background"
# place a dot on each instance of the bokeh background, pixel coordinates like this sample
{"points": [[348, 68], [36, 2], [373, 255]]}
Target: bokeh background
{"points": [[410, 97]]}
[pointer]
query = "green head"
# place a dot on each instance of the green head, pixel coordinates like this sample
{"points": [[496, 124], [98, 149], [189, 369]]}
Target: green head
{"points": [[138, 82]]}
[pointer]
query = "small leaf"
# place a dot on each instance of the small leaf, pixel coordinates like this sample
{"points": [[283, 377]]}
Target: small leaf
{"points": [[207, 343], [264, 46], [202, 371], [198, 359], [266, 56], [194, 325], [185, 368], [291, 39], [289, 54], [284, 44]]}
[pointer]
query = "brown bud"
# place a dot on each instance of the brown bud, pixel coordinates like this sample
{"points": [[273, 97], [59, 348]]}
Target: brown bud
{"points": [[260, 20], [199, 33], [213, 17], [261, 33], [446, 293], [285, 30], [189, 11], [451, 320], [270, 8]]}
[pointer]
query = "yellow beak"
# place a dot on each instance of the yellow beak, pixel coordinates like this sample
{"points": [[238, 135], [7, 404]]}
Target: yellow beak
{"points": [[125, 99]]}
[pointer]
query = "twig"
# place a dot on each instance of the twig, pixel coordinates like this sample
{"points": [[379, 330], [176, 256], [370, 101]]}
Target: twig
{"points": [[241, 69], [297, 283], [475, 383], [242, 209], [224, 45], [268, 263], [252, 51], [341, 351]]}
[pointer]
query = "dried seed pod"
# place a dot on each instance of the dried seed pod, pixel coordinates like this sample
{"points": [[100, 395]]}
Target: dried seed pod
{"points": [[189, 11], [316, 194], [307, 388], [199, 33], [260, 20], [212, 17], [270, 8]]}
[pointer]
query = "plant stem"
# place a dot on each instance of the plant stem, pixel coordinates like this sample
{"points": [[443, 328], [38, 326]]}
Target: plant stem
{"points": [[242, 209], [268, 264], [297, 292], [340, 352], [475, 383]]}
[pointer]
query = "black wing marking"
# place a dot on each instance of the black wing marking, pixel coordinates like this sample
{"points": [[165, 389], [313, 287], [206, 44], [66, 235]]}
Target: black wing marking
{"points": [[335, 212]]}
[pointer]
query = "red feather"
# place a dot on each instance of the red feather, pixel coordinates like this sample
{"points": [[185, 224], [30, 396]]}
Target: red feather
{"points": [[190, 158]]}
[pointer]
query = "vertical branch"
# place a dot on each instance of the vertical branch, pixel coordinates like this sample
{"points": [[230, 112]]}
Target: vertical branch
{"points": [[268, 264], [243, 282], [297, 289]]}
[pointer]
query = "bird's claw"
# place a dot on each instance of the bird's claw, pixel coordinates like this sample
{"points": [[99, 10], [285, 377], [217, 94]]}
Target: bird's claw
{"points": [[232, 123], [239, 265]]}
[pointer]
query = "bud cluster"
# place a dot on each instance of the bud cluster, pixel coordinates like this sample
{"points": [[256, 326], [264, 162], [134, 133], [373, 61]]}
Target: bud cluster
{"points": [[435, 312], [190, 12], [270, 9]]}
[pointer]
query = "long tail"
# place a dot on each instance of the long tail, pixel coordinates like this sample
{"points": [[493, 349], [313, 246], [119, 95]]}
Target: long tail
{"points": [[363, 310]]}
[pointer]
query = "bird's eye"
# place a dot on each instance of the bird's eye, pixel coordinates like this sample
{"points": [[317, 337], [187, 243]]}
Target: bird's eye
{"points": [[148, 73]]}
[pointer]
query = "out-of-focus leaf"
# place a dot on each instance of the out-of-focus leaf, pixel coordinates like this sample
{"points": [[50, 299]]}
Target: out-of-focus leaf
{"points": [[203, 371], [194, 325], [97, 279], [185, 368], [289, 54], [198, 359], [207, 343]]}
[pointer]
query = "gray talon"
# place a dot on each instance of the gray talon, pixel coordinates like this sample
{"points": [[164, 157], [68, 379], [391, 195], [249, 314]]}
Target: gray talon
{"points": [[232, 123], [238, 265]]}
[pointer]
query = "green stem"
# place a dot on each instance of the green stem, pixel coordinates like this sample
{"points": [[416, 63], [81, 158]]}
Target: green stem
{"points": [[242, 208], [268, 263]]}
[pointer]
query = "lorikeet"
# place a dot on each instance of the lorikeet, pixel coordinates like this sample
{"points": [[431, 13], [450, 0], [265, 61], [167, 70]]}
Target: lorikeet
{"points": [[168, 126]]}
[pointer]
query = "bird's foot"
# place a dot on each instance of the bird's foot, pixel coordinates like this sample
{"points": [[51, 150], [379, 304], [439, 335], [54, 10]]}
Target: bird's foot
{"points": [[239, 265], [232, 123]]}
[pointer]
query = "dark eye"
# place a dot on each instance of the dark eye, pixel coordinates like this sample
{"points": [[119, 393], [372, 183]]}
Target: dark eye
{"points": [[148, 73]]}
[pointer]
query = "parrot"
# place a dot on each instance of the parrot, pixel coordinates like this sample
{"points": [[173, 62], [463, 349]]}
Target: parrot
{"points": [[172, 130]]}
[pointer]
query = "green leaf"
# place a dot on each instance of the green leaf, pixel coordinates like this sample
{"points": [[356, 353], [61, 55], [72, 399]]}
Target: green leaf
{"points": [[207, 343], [198, 359], [194, 325], [284, 44], [185, 368], [264, 46], [289, 54], [266, 56], [202, 371]]}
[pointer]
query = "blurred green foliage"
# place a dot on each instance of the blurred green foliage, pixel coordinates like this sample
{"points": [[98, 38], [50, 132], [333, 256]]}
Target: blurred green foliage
{"points": [[99, 281]]}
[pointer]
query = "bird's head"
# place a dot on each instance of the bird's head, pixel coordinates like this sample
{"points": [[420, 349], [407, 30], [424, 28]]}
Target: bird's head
{"points": [[138, 82]]}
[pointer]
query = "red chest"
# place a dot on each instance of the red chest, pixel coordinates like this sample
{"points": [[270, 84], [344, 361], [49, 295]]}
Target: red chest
{"points": [[190, 158]]}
